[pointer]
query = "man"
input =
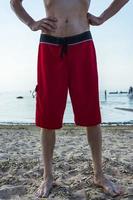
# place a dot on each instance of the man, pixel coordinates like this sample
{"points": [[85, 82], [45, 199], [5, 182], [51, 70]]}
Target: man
{"points": [[67, 60]]}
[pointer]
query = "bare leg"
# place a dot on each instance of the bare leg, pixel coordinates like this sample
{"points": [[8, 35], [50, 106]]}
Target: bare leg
{"points": [[48, 143], [94, 136]]}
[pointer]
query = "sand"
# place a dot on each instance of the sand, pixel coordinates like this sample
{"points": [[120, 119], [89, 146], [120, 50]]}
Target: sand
{"points": [[21, 165]]}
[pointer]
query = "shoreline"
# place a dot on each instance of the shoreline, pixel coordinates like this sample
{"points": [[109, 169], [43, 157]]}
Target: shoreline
{"points": [[65, 123], [16, 125]]}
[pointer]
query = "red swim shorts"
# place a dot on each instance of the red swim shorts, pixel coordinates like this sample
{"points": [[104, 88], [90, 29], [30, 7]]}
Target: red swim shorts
{"points": [[67, 63]]}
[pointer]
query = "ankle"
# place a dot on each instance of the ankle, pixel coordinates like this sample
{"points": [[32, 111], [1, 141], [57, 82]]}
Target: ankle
{"points": [[98, 174]]}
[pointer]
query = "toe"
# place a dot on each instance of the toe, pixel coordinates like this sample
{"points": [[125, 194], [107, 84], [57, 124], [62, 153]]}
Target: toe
{"points": [[108, 186], [118, 190], [44, 189], [113, 189], [108, 189], [39, 192], [46, 192]]}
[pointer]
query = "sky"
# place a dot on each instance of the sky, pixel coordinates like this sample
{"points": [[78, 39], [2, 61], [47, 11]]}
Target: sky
{"points": [[19, 47]]}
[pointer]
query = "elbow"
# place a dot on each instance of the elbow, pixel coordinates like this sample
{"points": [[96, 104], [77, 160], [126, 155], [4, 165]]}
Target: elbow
{"points": [[123, 1], [14, 3], [126, 1]]}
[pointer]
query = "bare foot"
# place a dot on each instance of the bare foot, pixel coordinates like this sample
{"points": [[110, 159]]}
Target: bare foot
{"points": [[108, 186], [45, 188]]}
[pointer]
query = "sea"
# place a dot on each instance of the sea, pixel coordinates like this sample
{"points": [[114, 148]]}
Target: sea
{"points": [[15, 110]]}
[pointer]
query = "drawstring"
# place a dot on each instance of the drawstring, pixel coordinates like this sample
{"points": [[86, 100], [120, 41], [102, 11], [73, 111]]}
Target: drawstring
{"points": [[64, 49]]}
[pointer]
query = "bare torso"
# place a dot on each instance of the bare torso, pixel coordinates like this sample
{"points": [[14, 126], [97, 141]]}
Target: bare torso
{"points": [[71, 16]]}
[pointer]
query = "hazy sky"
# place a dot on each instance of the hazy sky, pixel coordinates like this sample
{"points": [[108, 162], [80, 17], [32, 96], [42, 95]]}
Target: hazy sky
{"points": [[19, 46]]}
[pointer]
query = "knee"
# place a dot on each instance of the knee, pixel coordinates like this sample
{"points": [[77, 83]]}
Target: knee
{"points": [[97, 126], [45, 130]]}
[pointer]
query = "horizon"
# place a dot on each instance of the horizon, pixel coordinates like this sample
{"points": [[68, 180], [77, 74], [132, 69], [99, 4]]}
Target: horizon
{"points": [[101, 91]]}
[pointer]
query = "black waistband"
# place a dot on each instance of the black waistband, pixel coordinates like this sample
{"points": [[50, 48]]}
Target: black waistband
{"points": [[66, 40]]}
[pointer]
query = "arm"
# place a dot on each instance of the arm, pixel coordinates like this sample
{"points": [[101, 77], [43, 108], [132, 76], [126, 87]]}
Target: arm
{"points": [[108, 13], [46, 24]]}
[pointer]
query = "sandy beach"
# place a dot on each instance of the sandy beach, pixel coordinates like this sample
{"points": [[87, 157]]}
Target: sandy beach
{"points": [[21, 166]]}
